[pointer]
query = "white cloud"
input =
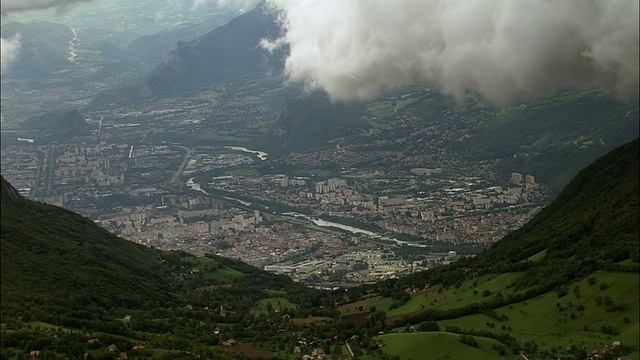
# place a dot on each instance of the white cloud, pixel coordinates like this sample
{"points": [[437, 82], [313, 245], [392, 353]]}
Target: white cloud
{"points": [[7, 6], [9, 49], [239, 4], [503, 50]]}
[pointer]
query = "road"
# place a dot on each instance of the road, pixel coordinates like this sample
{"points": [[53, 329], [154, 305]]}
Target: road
{"points": [[185, 160], [50, 171]]}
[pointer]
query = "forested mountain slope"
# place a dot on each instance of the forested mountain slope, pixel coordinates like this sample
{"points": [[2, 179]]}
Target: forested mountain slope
{"points": [[575, 266]]}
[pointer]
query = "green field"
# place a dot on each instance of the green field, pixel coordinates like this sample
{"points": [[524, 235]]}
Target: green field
{"points": [[590, 314], [278, 304], [382, 109], [472, 291], [222, 137], [221, 273], [438, 345], [577, 318]]}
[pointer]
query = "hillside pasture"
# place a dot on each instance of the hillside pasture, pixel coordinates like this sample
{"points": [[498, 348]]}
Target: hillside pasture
{"points": [[438, 345], [590, 314]]}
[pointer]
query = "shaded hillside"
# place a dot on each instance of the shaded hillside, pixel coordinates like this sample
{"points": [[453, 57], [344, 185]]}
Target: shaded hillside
{"points": [[58, 125], [311, 123], [61, 269], [570, 275], [594, 221], [59, 257], [227, 51], [8, 194], [555, 137], [54, 255], [44, 49]]}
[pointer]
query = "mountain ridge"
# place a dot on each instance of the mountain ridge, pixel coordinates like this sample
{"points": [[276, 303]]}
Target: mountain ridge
{"points": [[58, 125], [312, 122], [8, 194], [227, 51]]}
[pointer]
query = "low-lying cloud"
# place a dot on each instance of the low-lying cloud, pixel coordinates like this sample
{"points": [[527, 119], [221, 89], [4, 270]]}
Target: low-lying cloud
{"points": [[7, 6], [239, 4], [9, 49], [503, 50]]}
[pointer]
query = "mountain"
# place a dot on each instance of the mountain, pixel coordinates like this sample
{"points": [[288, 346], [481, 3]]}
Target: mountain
{"points": [[58, 125], [153, 48], [594, 220], [310, 123], [553, 137], [9, 194], [593, 223], [225, 52], [60, 269], [44, 49], [569, 276], [56, 256]]}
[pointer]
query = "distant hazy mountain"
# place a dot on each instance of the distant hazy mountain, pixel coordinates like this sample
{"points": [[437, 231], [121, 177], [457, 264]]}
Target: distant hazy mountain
{"points": [[44, 49], [225, 52], [58, 125], [153, 48], [554, 137], [311, 123]]}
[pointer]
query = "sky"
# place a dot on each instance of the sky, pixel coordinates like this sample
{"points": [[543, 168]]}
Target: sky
{"points": [[502, 51]]}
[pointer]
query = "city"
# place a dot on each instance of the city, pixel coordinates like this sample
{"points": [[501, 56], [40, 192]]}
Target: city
{"points": [[239, 203]]}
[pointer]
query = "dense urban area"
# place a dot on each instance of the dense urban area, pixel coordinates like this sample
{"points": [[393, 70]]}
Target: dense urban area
{"points": [[343, 226]]}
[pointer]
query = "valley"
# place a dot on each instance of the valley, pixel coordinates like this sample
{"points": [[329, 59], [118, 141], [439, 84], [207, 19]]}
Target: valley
{"points": [[530, 295], [135, 175], [180, 185]]}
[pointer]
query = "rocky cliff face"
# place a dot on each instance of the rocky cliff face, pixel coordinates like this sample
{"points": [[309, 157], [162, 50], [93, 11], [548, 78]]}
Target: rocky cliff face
{"points": [[227, 51]]}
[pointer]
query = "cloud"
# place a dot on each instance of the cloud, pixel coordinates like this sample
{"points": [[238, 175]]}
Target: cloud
{"points": [[239, 4], [9, 49], [7, 6], [503, 50], [170, 6]]}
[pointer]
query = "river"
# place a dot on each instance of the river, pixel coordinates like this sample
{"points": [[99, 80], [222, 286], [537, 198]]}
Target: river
{"points": [[355, 230], [261, 154]]}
